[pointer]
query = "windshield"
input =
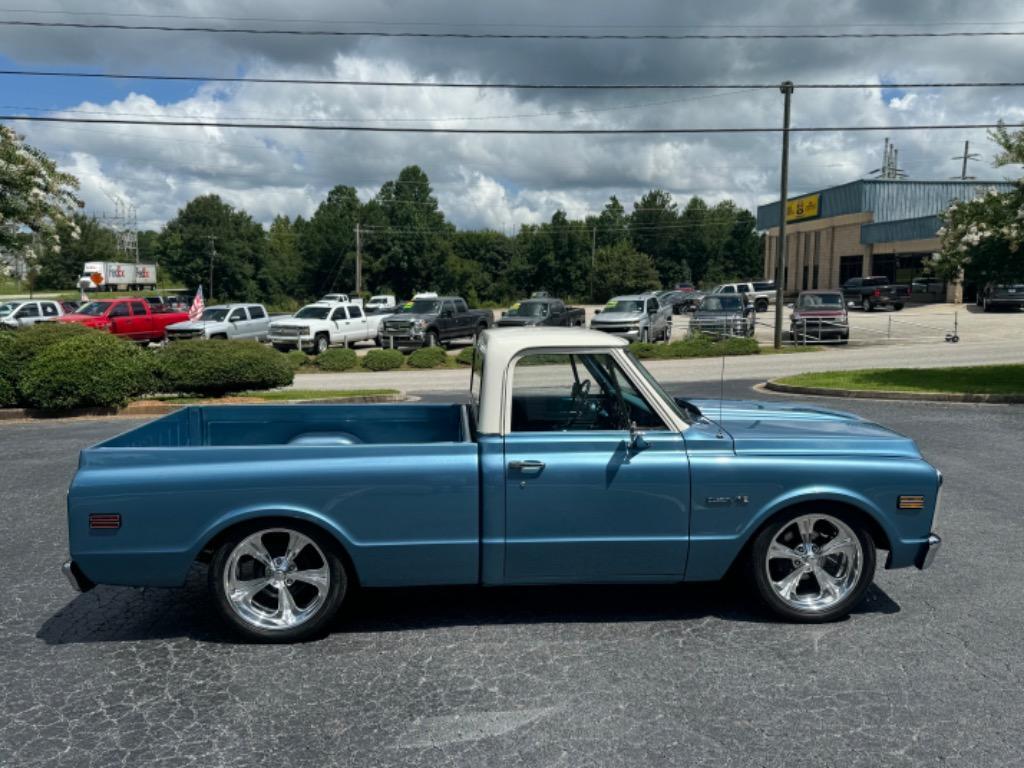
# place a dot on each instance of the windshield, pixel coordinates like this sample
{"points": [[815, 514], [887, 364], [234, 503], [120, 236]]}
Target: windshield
{"points": [[665, 396], [721, 303], [627, 305], [378, 300], [421, 307], [312, 312], [528, 309], [94, 308], [827, 300], [8, 308], [214, 315]]}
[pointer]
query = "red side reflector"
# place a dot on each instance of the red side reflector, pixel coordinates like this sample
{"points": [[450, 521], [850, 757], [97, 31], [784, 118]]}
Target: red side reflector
{"points": [[105, 522]]}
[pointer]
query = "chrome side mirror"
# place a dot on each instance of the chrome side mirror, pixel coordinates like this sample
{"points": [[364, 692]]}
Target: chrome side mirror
{"points": [[637, 442]]}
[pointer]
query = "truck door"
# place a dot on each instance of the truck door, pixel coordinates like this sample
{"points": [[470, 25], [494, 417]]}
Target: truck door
{"points": [[120, 318], [339, 325], [143, 326], [357, 330], [583, 501]]}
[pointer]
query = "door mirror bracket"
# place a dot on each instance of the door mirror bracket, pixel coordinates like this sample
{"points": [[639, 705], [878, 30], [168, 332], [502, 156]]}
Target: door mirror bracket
{"points": [[637, 442]]}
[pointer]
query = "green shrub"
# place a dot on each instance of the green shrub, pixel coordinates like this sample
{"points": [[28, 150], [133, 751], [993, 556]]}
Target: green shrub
{"points": [[87, 370], [200, 367], [465, 356], [29, 342], [337, 360], [383, 360], [296, 358], [700, 345], [428, 357], [8, 395]]}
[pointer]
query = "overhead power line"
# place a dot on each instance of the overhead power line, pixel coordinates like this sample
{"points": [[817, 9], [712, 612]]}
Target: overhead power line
{"points": [[502, 85], [509, 35], [542, 131]]}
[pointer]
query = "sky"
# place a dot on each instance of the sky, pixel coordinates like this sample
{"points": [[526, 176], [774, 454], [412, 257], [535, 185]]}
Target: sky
{"points": [[502, 182]]}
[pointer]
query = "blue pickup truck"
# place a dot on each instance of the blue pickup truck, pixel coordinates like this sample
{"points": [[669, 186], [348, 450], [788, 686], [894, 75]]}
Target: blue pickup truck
{"points": [[570, 464]]}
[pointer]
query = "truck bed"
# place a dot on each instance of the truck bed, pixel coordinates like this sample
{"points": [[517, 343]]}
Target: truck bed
{"points": [[252, 425]]}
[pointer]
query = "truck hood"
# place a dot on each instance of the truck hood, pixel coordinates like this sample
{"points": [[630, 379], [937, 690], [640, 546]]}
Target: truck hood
{"points": [[795, 428], [619, 317], [198, 325], [411, 317]]}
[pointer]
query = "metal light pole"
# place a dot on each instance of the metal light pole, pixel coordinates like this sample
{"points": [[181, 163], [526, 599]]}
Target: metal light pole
{"points": [[787, 91], [213, 252]]}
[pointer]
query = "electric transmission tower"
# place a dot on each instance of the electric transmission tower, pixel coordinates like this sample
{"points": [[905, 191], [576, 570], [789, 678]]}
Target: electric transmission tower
{"points": [[890, 164], [125, 226]]}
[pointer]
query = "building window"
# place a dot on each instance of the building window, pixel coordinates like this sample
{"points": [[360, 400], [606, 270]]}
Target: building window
{"points": [[850, 266]]}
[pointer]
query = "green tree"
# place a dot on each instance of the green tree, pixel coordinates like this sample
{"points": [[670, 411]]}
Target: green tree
{"points": [[281, 275], [619, 268], [327, 243], [692, 244], [208, 229], [612, 224], [82, 239], [34, 194], [408, 241], [485, 261], [654, 230], [983, 239]]}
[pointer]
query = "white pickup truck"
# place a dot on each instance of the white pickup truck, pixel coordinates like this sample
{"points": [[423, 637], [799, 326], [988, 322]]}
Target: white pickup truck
{"points": [[322, 324], [224, 321]]}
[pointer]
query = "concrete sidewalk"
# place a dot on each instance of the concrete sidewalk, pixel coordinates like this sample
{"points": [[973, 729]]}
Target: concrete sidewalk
{"points": [[765, 366]]}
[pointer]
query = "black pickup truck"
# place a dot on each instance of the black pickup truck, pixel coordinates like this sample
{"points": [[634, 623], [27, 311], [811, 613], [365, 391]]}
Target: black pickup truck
{"points": [[542, 311], [433, 322], [871, 292]]}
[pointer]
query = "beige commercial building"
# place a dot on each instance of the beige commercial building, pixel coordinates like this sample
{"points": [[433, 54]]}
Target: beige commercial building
{"points": [[865, 228]]}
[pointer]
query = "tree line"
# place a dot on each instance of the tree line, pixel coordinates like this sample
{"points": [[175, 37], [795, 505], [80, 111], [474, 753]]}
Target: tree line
{"points": [[408, 245]]}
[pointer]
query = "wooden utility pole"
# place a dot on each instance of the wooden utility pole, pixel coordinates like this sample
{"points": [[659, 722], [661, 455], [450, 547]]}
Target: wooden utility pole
{"points": [[967, 155], [359, 259], [780, 286], [593, 259], [213, 255]]}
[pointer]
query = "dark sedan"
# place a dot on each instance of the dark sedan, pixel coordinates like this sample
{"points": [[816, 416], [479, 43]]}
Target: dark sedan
{"points": [[1002, 296]]}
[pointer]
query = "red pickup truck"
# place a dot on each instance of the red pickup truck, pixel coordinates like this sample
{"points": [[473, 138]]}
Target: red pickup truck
{"points": [[133, 319]]}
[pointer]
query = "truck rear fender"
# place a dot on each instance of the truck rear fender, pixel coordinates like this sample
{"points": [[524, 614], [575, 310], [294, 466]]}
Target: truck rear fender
{"points": [[222, 527]]}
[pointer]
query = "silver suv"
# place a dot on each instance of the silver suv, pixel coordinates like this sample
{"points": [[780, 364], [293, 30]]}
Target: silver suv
{"points": [[641, 317], [21, 314]]}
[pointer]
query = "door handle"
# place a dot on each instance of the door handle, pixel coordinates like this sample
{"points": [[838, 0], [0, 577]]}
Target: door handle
{"points": [[526, 466]]}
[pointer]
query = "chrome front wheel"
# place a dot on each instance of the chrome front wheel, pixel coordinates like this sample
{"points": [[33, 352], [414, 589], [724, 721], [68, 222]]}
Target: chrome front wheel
{"points": [[813, 566], [278, 584]]}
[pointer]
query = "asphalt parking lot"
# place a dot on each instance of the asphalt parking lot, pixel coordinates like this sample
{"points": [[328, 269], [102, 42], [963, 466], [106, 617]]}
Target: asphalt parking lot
{"points": [[928, 672]]}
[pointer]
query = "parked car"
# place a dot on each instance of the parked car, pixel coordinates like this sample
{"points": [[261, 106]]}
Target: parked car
{"points": [[869, 293], [760, 295], [381, 304], [927, 288], [685, 287], [70, 306], [225, 321], [133, 318], [819, 316], [1005, 296], [431, 322], [678, 300], [542, 311], [25, 312], [316, 327], [640, 317], [724, 315], [693, 299], [570, 464]]}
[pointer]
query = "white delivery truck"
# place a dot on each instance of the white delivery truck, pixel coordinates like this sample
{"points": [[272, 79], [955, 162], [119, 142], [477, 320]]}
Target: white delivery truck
{"points": [[117, 276]]}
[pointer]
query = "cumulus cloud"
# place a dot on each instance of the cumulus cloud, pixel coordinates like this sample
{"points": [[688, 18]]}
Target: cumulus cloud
{"points": [[504, 181]]}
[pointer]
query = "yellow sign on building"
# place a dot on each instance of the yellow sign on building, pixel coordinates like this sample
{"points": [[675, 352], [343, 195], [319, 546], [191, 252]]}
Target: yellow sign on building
{"points": [[802, 208]]}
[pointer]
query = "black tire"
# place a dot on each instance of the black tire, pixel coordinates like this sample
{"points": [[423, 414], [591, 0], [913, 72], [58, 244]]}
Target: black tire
{"points": [[759, 574], [985, 306], [339, 585], [761, 305], [220, 336], [866, 304], [897, 307], [321, 343], [431, 339]]}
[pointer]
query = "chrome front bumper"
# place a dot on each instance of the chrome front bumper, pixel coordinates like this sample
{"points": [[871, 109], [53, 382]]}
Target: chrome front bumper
{"points": [[927, 554], [78, 580]]}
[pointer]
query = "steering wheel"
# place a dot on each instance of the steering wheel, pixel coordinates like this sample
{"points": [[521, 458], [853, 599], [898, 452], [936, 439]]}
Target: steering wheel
{"points": [[580, 391]]}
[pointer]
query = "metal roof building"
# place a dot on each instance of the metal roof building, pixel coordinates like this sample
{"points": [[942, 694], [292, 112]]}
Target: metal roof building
{"points": [[866, 227]]}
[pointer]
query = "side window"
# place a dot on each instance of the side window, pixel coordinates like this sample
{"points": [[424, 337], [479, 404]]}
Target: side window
{"points": [[339, 314], [355, 312], [119, 310], [257, 312], [237, 315], [460, 306], [29, 310], [447, 308], [138, 308], [49, 309], [573, 393], [728, 289], [557, 307], [652, 305]]}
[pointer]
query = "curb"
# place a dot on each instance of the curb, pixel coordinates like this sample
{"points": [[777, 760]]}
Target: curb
{"points": [[162, 409], [867, 394]]}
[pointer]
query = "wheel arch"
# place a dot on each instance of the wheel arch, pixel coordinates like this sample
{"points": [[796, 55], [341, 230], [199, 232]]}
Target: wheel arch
{"points": [[854, 507], [217, 533]]}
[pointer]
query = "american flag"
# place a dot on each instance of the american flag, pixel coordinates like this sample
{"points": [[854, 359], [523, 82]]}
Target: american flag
{"points": [[196, 310]]}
